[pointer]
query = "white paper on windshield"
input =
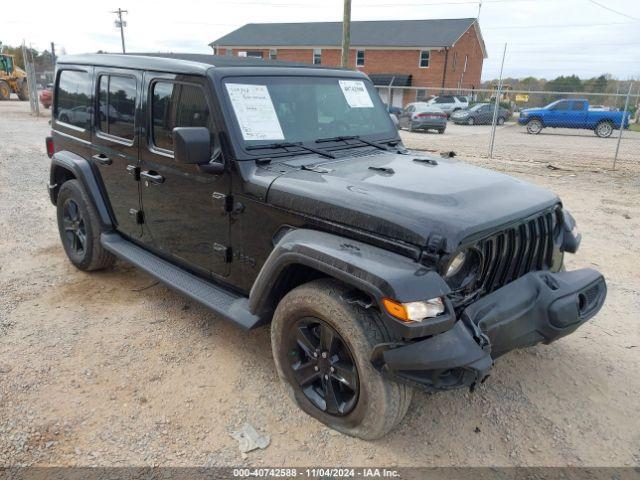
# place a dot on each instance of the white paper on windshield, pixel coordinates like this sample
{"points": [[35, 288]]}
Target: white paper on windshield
{"points": [[356, 93], [255, 112]]}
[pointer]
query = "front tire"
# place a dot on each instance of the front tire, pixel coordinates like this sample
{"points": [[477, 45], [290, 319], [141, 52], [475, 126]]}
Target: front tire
{"points": [[316, 326], [80, 229], [5, 90], [534, 126], [471, 121]]}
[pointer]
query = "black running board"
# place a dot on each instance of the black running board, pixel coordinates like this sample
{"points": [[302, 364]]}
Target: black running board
{"points": [[228, 305]]}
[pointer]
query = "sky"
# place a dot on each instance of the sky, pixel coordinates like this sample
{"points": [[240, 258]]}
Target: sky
{"points": [[545, 38]]}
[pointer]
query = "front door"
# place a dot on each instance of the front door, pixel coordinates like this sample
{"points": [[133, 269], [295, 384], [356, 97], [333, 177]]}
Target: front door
{"points": [[557, 115], [183, 206], [115, 144]]}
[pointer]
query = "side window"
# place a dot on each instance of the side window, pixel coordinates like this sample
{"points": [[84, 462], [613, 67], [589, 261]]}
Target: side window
{"points": [[578, 106], [176, 105], [444, 100], [73, 98], [410, 109], [564, 105], [117, 105]]}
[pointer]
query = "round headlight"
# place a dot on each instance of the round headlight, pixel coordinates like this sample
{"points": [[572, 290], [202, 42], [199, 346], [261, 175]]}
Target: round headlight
{"points": [[456, 264], [463, 268]]}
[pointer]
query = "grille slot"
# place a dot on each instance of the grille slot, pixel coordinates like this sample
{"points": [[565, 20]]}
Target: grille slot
{"points": [[515, 251]]}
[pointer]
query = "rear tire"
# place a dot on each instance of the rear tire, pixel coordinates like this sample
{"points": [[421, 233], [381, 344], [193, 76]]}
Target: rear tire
{"points": [[500, 120], [375, 404], [471, 121], [80, 229], [441, 131], [5, 90], [23, 93], [604, 129], [534, 126]]}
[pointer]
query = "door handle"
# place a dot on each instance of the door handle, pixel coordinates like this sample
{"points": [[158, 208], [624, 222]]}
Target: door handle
{"points": [[102, 159], [151, 177]]}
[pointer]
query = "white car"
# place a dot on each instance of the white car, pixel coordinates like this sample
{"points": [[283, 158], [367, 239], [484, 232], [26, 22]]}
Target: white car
{"points": [[449, 103]]}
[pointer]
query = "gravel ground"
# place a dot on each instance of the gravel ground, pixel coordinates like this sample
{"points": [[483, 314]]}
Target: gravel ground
{"points": [[113, 369]]}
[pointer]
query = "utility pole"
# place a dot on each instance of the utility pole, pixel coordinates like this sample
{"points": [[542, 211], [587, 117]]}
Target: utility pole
{"points": [[121, 24], [53, 55], [346, 33]]}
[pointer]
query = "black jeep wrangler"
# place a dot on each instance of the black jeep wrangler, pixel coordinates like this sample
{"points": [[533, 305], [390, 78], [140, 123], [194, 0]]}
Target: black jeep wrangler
{"points": [[281, 193]]}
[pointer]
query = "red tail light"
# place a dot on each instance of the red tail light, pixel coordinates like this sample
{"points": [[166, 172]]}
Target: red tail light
{"points": [[50, 149]]}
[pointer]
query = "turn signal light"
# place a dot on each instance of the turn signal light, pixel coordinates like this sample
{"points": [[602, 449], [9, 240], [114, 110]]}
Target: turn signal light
{"points": [[414, 311]]}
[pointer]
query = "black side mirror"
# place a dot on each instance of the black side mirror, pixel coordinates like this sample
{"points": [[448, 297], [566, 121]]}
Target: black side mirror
{"points": [[192, 145]]}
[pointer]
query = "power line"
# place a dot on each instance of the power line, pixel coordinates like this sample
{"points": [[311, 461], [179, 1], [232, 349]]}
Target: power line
{"points": [[614, 11]]}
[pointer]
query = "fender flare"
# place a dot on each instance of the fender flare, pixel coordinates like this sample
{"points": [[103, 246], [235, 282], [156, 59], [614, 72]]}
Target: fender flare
{"points": [[81, 169], [373, 270]]}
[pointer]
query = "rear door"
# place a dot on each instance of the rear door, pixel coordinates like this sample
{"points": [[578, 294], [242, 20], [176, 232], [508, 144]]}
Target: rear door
{"points": [[484, 114], [183, 206], [115, 144], [578, 117]]}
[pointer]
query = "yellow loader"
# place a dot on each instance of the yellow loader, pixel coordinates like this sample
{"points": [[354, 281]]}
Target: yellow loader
{"points": [[12, 79]]}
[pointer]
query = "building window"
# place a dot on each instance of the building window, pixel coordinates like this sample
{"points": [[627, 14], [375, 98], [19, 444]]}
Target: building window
{"points": [[273, 54], [317, 56], [229, 52], [424, 58], [455, 60], [254, 54], [466, 57], [360, 58], [421, 95]]}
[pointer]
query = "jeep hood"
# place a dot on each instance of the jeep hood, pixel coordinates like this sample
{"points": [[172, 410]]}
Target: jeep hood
{"points": [[398, 197]]}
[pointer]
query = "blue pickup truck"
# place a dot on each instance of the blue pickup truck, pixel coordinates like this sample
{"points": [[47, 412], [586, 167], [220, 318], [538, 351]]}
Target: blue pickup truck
{"points": [[572, 113]]}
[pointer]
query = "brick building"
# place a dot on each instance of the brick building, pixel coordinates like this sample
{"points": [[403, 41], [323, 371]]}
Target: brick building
{"points": [[432, 54]]}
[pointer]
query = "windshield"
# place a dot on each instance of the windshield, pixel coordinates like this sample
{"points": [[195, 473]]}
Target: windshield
{"points": [[304, 109]]}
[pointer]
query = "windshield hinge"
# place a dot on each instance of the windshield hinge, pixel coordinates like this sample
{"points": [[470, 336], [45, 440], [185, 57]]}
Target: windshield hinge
{"points": [[223, 252], [225, 201], [432, 254]]}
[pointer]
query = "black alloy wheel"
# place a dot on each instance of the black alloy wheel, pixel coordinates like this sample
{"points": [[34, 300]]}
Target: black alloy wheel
{"points": [[323, 366], [74, 227]]}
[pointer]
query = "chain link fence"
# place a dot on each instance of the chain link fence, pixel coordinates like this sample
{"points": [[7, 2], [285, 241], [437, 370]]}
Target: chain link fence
{"points": [[579, 128]]}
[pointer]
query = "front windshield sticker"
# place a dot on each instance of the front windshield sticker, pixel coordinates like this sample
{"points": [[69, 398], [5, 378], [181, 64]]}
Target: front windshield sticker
{"points": [[356, 93], [254, 110]]}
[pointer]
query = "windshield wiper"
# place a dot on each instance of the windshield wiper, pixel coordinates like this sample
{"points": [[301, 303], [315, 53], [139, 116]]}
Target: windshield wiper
{"points": [[271, 146], [352, 137]]}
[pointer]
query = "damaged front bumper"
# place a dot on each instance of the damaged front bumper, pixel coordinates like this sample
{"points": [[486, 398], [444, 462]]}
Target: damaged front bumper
{"points": [[539, 307]]}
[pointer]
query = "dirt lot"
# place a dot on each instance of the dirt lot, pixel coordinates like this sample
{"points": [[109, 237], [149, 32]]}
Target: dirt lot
{"points": [[111, 368]]}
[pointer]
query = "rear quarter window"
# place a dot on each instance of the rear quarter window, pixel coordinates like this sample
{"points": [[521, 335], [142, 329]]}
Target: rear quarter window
{"points": [[73, 99]]}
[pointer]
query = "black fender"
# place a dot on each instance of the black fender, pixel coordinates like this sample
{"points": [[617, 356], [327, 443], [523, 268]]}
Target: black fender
{"points": [[377, 272], [80, 169]]}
